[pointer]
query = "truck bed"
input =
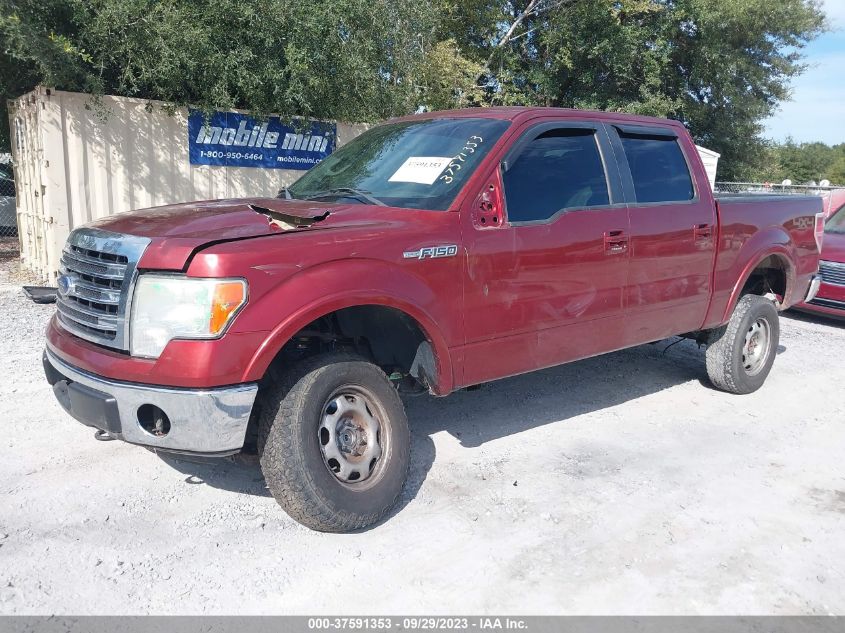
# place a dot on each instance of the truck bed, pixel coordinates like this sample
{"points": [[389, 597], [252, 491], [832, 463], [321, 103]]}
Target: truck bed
{"points": [[746, 231]]}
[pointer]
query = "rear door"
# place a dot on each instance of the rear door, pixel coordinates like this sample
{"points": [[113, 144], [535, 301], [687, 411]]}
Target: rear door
{"points": [[545, 285], [673, 231]]}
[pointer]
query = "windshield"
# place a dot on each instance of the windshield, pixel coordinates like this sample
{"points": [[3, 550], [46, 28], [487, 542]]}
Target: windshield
{"points": [[836, 222], [416, 164]]}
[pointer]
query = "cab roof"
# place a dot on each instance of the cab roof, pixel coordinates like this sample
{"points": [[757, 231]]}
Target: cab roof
{"points": [[521, 113]]}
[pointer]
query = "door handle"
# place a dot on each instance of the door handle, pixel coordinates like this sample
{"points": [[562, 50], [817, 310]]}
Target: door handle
{"points": [[615, 242], [702, 231]]}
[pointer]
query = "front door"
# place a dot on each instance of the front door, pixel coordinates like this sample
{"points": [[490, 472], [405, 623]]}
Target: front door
{"points": [[545, 285]]}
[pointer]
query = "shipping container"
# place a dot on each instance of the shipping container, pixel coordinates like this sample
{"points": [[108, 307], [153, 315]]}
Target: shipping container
{"points": [[711, 163], [78, 158]]}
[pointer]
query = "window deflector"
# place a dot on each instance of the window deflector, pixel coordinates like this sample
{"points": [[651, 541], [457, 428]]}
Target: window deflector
{"points": [[644, 130], [532, 134]]}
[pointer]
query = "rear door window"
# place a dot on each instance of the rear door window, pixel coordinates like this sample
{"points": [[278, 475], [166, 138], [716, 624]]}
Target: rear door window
{"points": [[560, 169], [658, 168]]}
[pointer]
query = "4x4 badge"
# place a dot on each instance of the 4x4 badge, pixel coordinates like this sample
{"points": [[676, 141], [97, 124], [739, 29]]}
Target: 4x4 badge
{"points": [[430, 252]]}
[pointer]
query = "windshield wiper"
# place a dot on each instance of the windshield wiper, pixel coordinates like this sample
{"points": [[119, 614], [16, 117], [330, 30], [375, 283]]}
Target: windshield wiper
{"points": [[347, 192]]}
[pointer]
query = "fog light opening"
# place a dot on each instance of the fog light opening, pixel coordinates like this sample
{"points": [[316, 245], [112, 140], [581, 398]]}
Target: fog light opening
{"points": [[153, 420]]}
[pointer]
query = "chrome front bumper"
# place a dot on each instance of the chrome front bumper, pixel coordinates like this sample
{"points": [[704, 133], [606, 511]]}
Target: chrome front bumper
{"points": [[813, 289], [201, 421]]}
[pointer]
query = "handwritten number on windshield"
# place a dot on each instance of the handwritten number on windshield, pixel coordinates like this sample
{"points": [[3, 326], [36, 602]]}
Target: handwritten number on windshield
{"points": [[454, 166]]}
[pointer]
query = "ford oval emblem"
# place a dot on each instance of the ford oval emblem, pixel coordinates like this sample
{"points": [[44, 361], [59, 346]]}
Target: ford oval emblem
{"points": [[65, 284]]}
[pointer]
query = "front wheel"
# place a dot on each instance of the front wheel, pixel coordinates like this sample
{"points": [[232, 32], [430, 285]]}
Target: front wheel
{"points": [[740, 354], [333, 442]]}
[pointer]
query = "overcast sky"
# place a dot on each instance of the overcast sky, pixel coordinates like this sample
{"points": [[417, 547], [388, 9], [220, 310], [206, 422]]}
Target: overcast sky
{"points": [[817, 109]]}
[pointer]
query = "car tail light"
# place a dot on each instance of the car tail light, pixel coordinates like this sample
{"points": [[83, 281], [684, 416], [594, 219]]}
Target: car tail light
{"points": [[819, 230]]}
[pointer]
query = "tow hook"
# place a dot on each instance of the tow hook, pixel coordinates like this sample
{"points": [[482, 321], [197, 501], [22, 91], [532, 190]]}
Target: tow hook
{"points": [[103, 436]]}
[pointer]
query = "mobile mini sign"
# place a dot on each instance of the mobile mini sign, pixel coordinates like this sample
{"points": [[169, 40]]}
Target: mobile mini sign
{"points": [[239, 140]]}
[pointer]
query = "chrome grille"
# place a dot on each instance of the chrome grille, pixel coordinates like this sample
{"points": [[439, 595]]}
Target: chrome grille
{"points": [[832, 273], [98, 271]]}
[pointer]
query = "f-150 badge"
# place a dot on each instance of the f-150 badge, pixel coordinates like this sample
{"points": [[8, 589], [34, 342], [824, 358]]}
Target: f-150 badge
{"points": [[431, 252]]}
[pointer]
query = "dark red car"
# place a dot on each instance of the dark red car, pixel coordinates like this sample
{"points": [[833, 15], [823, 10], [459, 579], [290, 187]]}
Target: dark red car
{"points": [[834, 202], [830, 300], [431, 253]]}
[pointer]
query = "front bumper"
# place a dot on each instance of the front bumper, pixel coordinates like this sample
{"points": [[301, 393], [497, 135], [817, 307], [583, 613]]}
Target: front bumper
{"points": [[813, 288], [201, 421], [828, 300]]}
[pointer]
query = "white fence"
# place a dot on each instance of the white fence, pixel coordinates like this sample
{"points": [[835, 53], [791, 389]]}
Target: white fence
{"points": [[73, 165]]}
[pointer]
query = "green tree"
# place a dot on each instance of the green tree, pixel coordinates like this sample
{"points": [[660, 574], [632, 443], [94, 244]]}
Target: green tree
{"points": [[802, 163], [353, 60], [15, 79], [720, 66], [836, 173], [806, 162]]}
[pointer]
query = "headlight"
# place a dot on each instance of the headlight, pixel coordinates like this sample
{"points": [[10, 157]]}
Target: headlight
{"points": [[166, 307]]}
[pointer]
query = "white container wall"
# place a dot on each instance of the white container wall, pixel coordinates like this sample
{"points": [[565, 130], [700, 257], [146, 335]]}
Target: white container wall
{"points": [[73, 165], [711, 163]]}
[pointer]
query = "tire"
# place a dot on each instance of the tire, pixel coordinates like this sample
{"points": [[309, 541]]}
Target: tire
{"points": [[734, 362], [333, 407]]}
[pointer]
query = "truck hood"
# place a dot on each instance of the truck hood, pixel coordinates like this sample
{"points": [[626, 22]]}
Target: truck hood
{"points": [[213, 220], [176, 231], [833, 247]]}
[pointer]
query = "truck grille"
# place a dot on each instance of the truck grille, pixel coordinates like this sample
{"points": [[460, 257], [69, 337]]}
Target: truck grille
{"points": [[832, 273], [94, 289]]}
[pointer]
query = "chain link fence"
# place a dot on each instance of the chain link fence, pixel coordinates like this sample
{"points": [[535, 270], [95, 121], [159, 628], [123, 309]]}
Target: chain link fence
{"points": [[9, 245], [768, 188]]}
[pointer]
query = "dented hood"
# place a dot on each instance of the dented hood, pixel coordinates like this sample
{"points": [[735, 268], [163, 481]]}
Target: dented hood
{"points": [[177, 230], [213, 220]]}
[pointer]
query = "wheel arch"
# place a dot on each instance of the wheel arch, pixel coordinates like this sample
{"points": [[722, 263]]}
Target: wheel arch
{"points": [[398, 291], [777, 259]]}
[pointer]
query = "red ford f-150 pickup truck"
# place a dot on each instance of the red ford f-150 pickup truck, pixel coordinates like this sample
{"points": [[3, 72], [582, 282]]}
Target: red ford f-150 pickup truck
{"points": [[431, 253]]}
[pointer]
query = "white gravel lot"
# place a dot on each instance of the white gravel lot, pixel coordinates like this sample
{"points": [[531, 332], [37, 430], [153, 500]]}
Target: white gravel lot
{"points": [[620, 484]]}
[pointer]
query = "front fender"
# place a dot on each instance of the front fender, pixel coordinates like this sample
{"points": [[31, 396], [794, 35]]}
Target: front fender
{"points": [[319, 290]]}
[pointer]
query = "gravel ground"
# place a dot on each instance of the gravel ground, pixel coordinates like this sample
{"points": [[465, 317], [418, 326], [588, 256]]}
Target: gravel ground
{"points": [[620, 484]]}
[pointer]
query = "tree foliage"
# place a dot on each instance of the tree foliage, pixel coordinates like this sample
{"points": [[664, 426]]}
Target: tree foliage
{"points": [[720, 66], [340, 58], [802, 163]]}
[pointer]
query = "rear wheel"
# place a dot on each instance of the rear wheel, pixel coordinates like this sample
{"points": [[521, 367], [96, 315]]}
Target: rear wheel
{"points": [[740, 354], [334, 442]]}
